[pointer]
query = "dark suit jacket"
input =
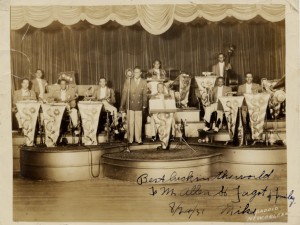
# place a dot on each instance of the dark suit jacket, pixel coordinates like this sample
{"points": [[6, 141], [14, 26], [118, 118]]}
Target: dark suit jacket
{"points": [[214, 93], [71, 95], [154, 76], [137, 93], [35, 86], [18, 96], [110, 95], [255, 89]]}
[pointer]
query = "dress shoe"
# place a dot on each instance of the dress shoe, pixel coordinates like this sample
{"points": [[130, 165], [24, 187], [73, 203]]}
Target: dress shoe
{"points": [[140, 143], [172, 138], [159, 148], [206, 129], [153, 138], [216, 129]]}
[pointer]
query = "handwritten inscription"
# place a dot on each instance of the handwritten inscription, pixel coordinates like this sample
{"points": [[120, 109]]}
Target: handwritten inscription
{"points": [[235, 198], [192, 178]]}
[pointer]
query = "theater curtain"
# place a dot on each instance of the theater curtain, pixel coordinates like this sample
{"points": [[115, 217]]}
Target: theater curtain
{"points": [[156, 19], [107, 50]]}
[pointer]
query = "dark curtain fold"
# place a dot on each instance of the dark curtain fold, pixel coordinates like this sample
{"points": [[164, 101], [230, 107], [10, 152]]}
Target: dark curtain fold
{"points": [[94, 51]]}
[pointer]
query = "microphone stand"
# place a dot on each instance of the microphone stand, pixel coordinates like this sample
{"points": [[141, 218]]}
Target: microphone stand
{"points": [[128, 116]]}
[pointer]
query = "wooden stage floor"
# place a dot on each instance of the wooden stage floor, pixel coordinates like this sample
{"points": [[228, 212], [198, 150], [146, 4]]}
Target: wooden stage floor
{"points": [[107, 200]]}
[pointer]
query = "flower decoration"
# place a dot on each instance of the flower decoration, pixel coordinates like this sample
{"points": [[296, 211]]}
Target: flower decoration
{"points": [[56, 112], [32, 110]]}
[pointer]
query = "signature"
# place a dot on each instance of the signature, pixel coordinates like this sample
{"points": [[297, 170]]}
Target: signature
{"points": [[231, 209]]}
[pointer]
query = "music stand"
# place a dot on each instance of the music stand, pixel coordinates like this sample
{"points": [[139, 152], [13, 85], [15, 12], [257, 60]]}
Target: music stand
{"points": [[181, 142]]}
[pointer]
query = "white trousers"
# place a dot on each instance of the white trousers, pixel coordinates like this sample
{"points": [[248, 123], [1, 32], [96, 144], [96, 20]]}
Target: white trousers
{"points": [[135, 126], [74, 116], [210, 109]]}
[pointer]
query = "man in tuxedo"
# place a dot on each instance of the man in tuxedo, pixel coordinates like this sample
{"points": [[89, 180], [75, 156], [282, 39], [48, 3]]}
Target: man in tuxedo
{"points": [[249, 87], [220, 69], [217, 92], [39, 85], [137, 90], [66, 95], [22, 94]]}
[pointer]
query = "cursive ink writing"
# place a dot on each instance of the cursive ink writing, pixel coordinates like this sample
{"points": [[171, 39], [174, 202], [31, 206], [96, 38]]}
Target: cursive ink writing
{"points": [[191, 178], [180, 210], [230, 209]]}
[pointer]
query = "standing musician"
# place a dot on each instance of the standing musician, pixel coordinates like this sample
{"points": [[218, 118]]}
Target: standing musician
{"points": [[157, 73], [136, 103], [66, 95], [22, 94], [107, 96], [220, 69], [217, 92], [39, 85]]}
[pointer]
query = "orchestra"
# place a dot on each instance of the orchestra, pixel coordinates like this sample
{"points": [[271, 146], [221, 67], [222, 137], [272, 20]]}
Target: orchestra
{"points": [[138, 91]]}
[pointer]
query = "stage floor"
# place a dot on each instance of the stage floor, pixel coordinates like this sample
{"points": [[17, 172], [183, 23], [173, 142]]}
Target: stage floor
{"points": [[110, 200]]}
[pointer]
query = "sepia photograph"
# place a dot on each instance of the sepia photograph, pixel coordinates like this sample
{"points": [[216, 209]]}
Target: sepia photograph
{"points": [[142, 111]]}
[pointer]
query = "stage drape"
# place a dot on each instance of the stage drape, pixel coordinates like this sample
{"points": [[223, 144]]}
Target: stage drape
{"points": [[156, 19], [94, 51]]}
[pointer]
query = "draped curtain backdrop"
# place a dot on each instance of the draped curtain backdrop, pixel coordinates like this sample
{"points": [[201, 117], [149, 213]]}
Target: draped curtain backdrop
{"points": [[107, 50]]}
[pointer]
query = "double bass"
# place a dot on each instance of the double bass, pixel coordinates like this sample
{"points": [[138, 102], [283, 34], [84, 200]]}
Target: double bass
{"points": [[231, 77]]}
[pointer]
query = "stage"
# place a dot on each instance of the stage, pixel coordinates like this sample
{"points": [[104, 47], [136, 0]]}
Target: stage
{"points": [[72, 163]]}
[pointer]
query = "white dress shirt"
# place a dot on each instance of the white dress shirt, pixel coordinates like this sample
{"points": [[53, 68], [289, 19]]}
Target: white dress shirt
{"points": [[25, 93], [221, 67], [137, 81], [102, 93], [219, 93], [157, 71], [248, 88], [63, 95], [39, 80]]}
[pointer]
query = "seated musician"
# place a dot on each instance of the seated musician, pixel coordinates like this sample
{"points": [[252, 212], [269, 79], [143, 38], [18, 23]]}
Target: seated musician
{"points": [[161, 94], [39, 85], [157, 73], [249, 87], [107, 96], [22, 94], [217, 92], [66, 95]]}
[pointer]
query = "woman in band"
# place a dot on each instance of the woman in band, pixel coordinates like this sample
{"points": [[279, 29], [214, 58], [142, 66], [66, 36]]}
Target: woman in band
{"points": [[157, 72]]}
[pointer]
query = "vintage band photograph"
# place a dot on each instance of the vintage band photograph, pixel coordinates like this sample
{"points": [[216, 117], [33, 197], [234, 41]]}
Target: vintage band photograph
{"points": [[153, 112]]}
